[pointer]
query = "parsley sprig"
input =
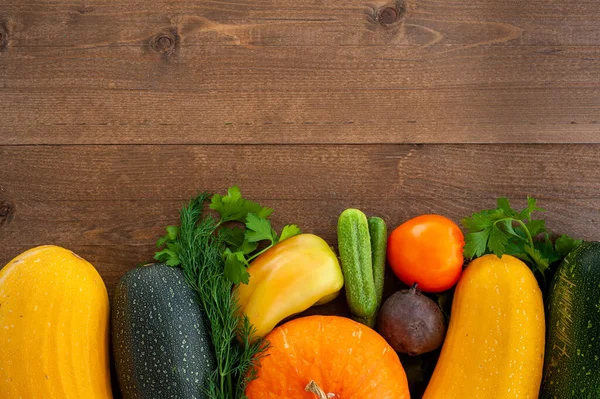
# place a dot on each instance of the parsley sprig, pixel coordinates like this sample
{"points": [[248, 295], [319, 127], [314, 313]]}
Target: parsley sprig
{"points": [[506, 231], [241, 243]]}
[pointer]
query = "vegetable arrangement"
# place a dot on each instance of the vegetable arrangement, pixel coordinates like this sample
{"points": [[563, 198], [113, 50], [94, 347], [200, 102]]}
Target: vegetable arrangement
{"points": [[217, 317]]}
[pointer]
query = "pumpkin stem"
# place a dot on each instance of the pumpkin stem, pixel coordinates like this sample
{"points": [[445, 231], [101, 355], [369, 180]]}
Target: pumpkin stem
{"points": [[314, 388]]}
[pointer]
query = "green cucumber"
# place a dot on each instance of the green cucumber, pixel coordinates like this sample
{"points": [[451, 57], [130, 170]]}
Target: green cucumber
{"points": [[160, 339], [572, 361], [363, 263], [378, 233]]}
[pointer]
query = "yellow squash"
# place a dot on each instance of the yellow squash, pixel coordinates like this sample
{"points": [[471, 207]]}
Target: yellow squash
{"points": [[294, 275], [53, 327], [494, 348]]}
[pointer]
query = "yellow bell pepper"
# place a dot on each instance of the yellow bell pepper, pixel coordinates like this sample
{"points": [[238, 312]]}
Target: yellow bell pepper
{"points": [[289, 278]]}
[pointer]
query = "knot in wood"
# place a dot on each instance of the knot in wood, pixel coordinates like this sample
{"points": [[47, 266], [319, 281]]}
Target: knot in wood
{"points": [[164, 43], [388, 15], [6, 212], [3, 39]]}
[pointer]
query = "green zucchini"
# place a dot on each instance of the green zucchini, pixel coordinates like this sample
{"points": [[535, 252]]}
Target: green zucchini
{"points": [[572, 362], [363, 263], [160, 339]]}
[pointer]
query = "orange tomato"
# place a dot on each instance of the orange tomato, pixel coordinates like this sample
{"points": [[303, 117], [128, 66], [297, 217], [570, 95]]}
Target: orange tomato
{"points": [[427, 250]]}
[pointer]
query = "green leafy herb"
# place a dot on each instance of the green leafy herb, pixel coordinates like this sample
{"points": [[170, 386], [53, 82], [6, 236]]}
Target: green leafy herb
{"points": [[259, 229], [198, 248], [288, 231], [235, 267], [234, 207], [214, 256], [565, 244], [169, 255], [242, 244], [506, 231]]}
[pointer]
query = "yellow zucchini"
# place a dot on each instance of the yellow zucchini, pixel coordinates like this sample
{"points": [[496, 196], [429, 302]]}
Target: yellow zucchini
{"points": [[53, 327], [494, 348]]}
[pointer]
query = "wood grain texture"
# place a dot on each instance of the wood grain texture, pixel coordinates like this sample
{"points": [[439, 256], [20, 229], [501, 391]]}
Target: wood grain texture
{"points": [[322, 22], [265, 117], [258, 72], [303, 172], [114, 200]]}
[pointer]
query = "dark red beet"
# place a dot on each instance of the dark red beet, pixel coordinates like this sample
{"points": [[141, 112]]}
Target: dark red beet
{"points": [[411, 322]]}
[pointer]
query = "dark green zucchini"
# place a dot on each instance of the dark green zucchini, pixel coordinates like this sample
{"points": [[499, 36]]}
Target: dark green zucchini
{"points": [[160, 339], [572, 361]]}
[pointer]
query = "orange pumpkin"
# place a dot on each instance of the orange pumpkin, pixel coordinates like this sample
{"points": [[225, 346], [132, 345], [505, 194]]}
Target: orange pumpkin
{"points": [[328, 357]]}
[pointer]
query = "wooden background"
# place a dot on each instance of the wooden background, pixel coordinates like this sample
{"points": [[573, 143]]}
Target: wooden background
{"points": [[114, 112]]}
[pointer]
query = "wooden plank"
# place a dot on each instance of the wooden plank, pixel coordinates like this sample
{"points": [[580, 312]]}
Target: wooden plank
{"points": [[203, 70], [289, 23], [306, 172], [300, 117], [101, 172], [275, 72]]}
